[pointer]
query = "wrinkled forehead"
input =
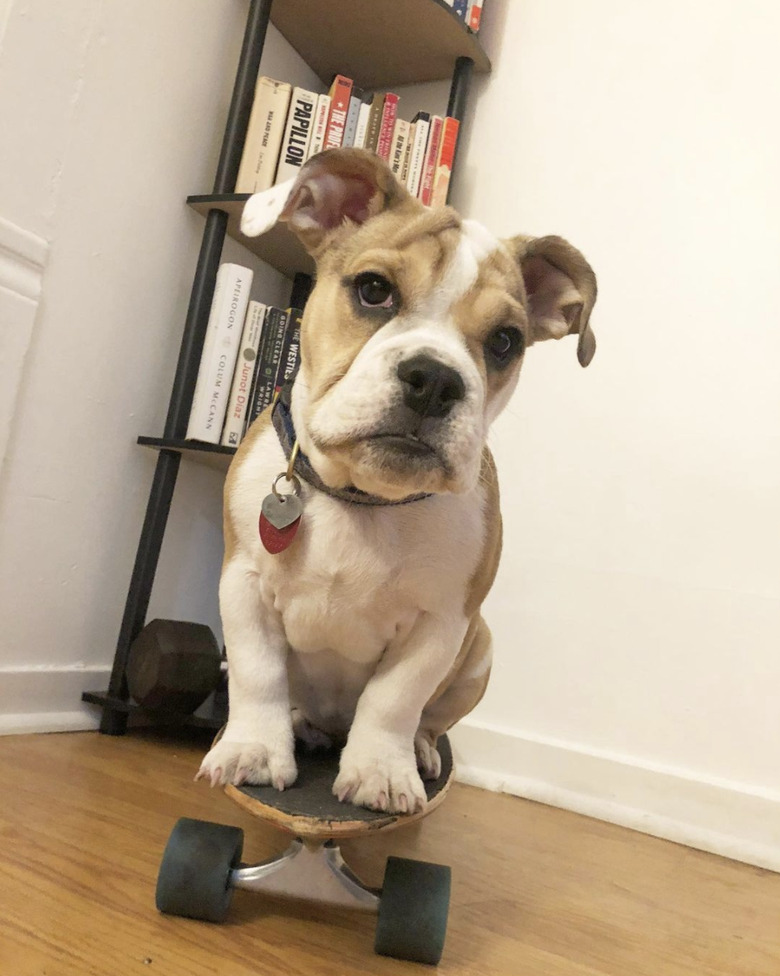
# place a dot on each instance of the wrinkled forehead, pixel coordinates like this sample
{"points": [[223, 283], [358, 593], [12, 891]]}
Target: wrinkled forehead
{"points": [[436, 259]]}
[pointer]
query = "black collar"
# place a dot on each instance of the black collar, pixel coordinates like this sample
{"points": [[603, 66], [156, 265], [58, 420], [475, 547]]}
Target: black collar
{"points": [[283, 424]]}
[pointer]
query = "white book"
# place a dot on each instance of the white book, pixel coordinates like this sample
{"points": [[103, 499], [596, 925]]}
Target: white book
{"points": [[398, 146], [417, 153], [362, 125], [264, 135], [242, 377], [297, 134], [320, 124], [220, 350]]}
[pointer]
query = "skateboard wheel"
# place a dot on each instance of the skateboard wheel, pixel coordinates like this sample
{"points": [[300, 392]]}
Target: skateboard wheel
{"points": [[194, 878], [413, 911]]}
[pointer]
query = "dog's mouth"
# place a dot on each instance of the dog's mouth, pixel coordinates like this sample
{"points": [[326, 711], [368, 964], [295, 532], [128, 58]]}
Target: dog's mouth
{"points": [[407, 445]]}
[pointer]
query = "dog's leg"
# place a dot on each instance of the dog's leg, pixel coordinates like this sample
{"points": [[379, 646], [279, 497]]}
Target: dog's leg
{"points": [[456, 696], [378, 767], [257, 745]]}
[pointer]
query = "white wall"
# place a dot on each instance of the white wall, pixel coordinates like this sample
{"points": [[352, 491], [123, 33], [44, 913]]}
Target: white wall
{"points": [[637, 610], [111, 113]]}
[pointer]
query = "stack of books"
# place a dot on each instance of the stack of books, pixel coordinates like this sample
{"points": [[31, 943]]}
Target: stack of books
{"points": [[469, 11], [249, 352], [288, 125]]}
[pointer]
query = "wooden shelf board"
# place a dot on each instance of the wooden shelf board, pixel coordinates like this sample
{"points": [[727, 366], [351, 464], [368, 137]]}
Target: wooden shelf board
{"points": [[208, 716], [402, 42], [278, 247], [212, 455]]}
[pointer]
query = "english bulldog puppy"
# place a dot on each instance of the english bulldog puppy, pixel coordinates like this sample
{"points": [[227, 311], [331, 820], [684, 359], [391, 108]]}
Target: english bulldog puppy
{"points": [[362, 626]]}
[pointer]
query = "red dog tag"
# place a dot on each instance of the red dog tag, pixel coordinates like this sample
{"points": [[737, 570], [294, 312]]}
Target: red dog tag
{"points": [[277, 540]]}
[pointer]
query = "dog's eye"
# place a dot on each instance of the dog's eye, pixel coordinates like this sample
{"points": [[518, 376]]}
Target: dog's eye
{"points": [[374, 291], [503, 345]]}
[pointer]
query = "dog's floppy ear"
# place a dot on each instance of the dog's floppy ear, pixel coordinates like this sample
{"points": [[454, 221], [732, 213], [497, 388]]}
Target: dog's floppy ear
{"points": [[561, 290], [335, 189]]}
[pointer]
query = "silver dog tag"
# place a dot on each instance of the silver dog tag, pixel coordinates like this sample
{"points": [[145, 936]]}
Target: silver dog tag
{"points": [[282, 510]]}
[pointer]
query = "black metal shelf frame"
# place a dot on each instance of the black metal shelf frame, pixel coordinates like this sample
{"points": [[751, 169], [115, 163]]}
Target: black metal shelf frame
{"points": [[116, 703]]}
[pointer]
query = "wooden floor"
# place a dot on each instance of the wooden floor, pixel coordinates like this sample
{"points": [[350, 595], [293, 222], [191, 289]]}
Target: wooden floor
{"points": [[536, 891]]}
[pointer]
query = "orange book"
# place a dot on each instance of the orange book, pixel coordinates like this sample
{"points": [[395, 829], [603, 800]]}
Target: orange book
{"points": [[340, 91], [389, 113], [443, 173], [431, 156]]}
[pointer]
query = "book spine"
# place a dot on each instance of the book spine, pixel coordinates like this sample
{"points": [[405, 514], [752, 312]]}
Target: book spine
{"points": [[297, 134], [362, 123], [431, 155], [288, 363], [268, 364], [384, 143], [242, 378], [443, 173], [475, 16], [355, 101], [404, 175], [461, 8], [225, 325], [320, 125], [264, 136], [374, 122], [417, 157], [261, 347], [400, 145], [339, 93]]}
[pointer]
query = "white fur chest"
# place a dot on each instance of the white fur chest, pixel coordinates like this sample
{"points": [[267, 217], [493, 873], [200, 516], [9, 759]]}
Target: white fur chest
{"points": [[357, 576]]}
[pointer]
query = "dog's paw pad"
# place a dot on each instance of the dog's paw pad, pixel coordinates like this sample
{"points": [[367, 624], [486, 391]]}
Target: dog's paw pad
{"points": [[428, 758], [312, 737], [255, 763]]}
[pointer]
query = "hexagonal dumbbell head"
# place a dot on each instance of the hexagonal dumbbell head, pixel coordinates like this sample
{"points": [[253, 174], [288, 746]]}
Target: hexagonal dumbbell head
{"points": [[173, 666]]}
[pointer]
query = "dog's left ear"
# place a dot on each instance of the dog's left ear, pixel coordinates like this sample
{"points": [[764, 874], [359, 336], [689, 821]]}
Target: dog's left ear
{"points": [[335, 190], [561, 290]]}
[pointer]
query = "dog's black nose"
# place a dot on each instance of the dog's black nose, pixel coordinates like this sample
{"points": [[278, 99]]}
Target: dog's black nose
{"points": [[430, 387]]}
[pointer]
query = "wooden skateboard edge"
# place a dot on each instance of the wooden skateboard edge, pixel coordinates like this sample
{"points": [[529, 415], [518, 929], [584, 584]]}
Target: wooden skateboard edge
{"points": [[313, 828]]}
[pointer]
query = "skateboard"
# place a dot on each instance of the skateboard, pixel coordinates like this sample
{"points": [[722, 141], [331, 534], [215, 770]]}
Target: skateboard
{"points": [[201, 865]]}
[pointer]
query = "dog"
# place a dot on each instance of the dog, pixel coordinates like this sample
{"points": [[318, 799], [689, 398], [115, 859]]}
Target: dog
{"points": [[365, 631]]}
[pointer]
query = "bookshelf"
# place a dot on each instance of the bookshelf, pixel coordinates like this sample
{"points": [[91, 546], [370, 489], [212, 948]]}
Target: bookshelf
{"points": [[378, 43]]}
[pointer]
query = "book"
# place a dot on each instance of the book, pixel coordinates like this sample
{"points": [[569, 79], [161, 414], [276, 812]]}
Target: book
{"points": [[242, 377], [461, 8], [400, 144], [339, 93], [355, 101], [268, 358], [421, 122], [297, 134], [444, 162], [374, 121], [291, 347], [264, 135], [475, 16], [362, 123], [384, 143], [404, 174], [431, 155], [321, 114], [220, 350]]}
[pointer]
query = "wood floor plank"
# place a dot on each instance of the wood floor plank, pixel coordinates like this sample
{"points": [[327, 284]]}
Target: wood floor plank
{"points": [[536, 891]]}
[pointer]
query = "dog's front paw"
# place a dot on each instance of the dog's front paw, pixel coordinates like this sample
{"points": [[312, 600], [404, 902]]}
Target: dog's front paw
{"points": [[385, 782], [258, 763], [428, 758]]}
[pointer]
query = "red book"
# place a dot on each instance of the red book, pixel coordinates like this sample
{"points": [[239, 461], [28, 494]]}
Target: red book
{"points": [[441, 178], [475, 15], [339, 93], [389, 113], [431, 155]]}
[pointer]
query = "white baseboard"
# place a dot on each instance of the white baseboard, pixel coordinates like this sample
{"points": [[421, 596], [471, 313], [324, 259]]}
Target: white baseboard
{"points": [[49, 699], [727, 818]]}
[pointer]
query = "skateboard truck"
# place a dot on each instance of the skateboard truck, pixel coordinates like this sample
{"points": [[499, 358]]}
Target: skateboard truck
{"points": [[202, 866]]}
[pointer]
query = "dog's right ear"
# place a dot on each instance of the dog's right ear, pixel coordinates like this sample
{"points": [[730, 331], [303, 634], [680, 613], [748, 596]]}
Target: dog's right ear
{"points": [[334, 192]]}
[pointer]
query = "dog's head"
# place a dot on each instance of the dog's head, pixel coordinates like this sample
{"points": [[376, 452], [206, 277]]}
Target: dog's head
{"points": [[413, 337]]}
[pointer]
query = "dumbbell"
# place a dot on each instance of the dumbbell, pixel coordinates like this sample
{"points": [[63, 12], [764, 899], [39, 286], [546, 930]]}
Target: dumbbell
{"points": [[173, 666]]}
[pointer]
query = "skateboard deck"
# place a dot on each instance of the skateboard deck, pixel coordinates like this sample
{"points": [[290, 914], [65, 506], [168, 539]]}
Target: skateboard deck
{"points": [[309, 810]]}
